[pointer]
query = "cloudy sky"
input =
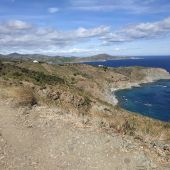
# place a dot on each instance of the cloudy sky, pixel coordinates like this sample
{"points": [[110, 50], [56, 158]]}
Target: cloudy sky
{"points": [[85, 27]]}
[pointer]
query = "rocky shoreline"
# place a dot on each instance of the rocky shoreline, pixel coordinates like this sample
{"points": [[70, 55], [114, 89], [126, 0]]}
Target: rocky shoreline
{"points": [[149, 78]]}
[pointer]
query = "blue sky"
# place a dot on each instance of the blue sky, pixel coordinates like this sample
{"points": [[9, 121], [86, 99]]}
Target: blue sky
{"points": [[85, 27]]}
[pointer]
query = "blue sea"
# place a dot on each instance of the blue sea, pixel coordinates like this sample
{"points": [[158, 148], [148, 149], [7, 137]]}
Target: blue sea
{"points": [[160, 62], [152, 99]]}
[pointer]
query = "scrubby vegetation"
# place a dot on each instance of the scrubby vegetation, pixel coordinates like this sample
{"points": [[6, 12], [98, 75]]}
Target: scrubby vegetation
{"points": [[131, 72], [62, 59], [80, 89], [15, 72], [0, 65]]}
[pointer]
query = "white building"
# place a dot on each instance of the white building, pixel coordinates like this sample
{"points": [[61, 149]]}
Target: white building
{"points": [[35, 61]]}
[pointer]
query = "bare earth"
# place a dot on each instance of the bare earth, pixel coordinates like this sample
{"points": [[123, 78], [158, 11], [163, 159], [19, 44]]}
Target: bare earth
{"points": [[47, 139]]}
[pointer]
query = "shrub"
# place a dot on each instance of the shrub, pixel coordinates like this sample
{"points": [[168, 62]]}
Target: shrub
{"points": [[1, 65], [17, 74], [105, 68], [27, 75], [23, 96], [167, 125], [26, 97], [129, 127]]}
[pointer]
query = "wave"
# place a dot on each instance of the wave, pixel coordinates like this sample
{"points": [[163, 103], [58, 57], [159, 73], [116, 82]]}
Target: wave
{"points": [[148, 104], [162, 86]]}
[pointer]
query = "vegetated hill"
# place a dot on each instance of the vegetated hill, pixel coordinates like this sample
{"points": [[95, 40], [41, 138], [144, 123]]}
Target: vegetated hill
{"points": [[100, 57], [17, 56], [84, 91], [60, 59]]}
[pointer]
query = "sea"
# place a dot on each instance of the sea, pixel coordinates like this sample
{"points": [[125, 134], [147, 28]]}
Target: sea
{"points": [[152, 99]]}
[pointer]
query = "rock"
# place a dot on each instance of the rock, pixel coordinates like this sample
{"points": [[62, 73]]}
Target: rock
{"points": [[166, 148], [56, 95]]}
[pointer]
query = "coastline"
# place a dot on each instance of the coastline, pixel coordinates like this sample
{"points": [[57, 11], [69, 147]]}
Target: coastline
{"points": [[130, 85]]}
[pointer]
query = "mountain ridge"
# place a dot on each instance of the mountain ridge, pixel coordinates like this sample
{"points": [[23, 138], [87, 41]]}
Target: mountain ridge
{"points": [[62, 59]]}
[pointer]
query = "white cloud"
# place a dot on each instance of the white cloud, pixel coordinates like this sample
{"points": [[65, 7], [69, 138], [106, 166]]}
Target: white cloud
{"points": [[82, 32], [16, 35], [17, 24], [53, 10], [95, 5], [130, 6], [140, 31], [75, 51]]}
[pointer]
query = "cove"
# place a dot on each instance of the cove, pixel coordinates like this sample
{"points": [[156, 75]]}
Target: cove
{"points": [[152, 100]]}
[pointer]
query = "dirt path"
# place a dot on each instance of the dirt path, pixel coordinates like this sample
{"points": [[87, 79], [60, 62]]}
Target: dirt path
{"points": [[45, 139]]}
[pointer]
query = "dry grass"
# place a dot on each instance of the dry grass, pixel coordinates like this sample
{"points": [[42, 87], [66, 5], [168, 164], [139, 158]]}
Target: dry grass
{"points": [[22, 96], [78, 86], [113, 118]]}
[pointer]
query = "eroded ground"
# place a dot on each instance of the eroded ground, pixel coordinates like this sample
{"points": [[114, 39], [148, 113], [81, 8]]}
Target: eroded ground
{"points": [[47, 139]]}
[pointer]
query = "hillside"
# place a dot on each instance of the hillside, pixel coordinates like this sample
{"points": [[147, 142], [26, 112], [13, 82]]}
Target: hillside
{"points": [[39, 103], [100, 57], [60, 59]]}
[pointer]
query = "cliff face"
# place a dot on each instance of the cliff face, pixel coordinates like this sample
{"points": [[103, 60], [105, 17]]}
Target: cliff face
{"points": [[139, 76], [154, 74], [132, 77]]}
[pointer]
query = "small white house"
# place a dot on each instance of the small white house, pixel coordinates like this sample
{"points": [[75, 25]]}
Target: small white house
{"points": [[35, 61]]}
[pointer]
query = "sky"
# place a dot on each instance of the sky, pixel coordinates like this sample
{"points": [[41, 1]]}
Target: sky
{"points": [[85, 27]]}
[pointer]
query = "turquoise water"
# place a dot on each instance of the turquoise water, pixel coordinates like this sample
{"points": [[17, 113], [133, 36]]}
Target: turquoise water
{"points": [[152, 100]]}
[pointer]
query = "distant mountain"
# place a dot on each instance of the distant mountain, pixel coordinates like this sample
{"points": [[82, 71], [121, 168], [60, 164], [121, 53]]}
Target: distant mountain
{"points": [[100, 57], [61, 59], [25, 56]]}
